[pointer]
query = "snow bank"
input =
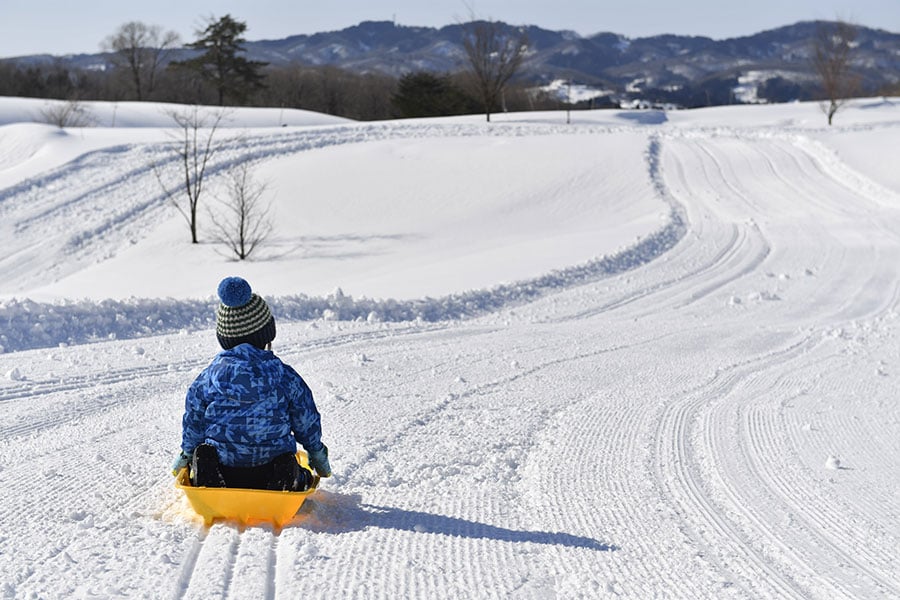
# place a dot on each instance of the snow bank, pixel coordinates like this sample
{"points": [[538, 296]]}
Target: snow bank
{"points": [[153, 114], [28, 324]]}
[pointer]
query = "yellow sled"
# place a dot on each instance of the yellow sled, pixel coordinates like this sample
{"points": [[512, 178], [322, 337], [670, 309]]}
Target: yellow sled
{"points": [[246, 506]]}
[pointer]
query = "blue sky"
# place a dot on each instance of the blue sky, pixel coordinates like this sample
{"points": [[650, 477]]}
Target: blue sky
{"points": [[67, 26]]}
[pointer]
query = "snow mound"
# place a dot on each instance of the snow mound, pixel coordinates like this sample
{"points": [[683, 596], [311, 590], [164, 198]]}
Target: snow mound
{"points": [[33, 324]]}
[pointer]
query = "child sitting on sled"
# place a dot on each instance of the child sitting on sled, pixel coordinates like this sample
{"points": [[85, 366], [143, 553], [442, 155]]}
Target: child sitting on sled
{"points": [[246, 412]]}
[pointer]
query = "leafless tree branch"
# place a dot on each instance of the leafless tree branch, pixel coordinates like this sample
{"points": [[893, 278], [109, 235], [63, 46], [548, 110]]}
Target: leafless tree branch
{"points": [[832, 60], [66, 113], [194, 148], [494, 55], [246, 223], [141, 49]]}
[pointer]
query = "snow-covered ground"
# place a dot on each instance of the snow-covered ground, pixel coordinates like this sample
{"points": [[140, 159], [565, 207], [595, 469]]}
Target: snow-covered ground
{"points": [[644, 355]]}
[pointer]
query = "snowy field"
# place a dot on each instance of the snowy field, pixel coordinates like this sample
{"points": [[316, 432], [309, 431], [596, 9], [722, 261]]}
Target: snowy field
{"points": [[644, 355]]}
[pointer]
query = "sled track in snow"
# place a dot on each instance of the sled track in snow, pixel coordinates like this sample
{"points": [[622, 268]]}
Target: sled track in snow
{"points": [[729, 504], [697, 432], [60, 402], [612, 459], [128, 218], [709, 522], [102, 407], [107, 205], [80, 382], [55, 414], [434, 412], [711, 507], [687, 446], [781, 488], [188, 565], [823, 522]]}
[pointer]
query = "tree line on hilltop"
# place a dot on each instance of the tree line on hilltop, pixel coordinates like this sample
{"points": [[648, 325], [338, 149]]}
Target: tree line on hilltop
{"points": [[218, 73]]}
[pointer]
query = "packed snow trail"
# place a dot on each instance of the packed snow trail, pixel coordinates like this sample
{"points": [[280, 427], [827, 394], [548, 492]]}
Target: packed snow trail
{"points": [[659, 432], [726, 472]]}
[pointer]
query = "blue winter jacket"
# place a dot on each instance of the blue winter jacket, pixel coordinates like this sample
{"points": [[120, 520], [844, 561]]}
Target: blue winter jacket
{"points": [[251, 407]]}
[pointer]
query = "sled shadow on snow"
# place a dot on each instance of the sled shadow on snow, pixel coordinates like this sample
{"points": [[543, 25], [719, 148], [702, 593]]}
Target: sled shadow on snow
{"points": [[329, 512]]}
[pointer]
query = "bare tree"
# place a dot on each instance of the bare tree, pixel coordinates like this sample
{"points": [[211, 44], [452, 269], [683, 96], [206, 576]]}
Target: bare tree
{"points": [[495, 52], [194, 148], [141, 49], [832, 55], [66, 113], [245, 224], [333, 89]]}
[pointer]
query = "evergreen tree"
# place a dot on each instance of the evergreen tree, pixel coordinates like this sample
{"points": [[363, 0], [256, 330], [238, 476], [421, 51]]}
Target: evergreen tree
{"points": [[424, 94], [231, 75]]}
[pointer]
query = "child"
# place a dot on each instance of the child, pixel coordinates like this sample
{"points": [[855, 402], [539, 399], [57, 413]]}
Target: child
{"points": [[246, 412]]}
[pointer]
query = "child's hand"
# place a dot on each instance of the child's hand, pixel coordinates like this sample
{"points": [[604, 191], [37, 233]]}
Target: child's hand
{"points": [[181, 462], [318, 460]]}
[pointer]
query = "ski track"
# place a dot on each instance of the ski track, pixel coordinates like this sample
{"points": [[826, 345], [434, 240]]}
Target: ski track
{"points": [[111, 404], [81, 190], [675, 454], [734, 550], [544, 450], [677, 427]]}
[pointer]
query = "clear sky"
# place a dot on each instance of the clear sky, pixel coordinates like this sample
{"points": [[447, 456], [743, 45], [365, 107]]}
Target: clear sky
{"points": [[70, 26]]}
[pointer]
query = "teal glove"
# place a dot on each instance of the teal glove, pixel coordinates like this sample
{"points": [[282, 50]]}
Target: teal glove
{"points": [[318, 460], [181, 462]]}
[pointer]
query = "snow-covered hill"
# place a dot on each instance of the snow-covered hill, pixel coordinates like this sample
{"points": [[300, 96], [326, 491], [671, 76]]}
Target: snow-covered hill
{"points": [[642, 355]]}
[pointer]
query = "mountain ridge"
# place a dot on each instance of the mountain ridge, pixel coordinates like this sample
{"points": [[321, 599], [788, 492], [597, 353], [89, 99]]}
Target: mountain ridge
{"points": [[666, 65]]}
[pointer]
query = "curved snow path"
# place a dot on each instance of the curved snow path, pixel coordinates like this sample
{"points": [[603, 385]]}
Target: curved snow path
{"points": [[724, 457], [659, 433]]}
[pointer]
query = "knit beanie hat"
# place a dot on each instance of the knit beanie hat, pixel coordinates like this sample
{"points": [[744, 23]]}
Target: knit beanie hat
{"points": [[242, 317]]}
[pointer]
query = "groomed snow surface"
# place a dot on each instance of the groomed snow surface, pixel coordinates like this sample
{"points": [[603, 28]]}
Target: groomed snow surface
{"points": [[641, 355]]}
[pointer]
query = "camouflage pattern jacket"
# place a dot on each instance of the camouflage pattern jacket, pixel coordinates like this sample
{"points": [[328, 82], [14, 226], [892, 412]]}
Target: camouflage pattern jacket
{"points": [[251, 407]]}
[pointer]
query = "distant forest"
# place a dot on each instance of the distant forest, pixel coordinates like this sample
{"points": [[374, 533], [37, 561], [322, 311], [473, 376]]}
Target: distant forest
{"points": [[324, 89], [139, 64], [141, 68]]}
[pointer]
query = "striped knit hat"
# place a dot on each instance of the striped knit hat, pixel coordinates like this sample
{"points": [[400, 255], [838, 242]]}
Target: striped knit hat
{"points": [[242, 317]]}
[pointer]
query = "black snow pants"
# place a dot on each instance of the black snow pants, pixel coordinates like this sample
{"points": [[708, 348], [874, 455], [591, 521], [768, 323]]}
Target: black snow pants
{"points": [[283, 473]]}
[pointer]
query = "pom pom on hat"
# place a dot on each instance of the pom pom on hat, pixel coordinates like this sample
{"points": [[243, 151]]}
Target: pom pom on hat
{"points": [[242, 317], [234, 292]]}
